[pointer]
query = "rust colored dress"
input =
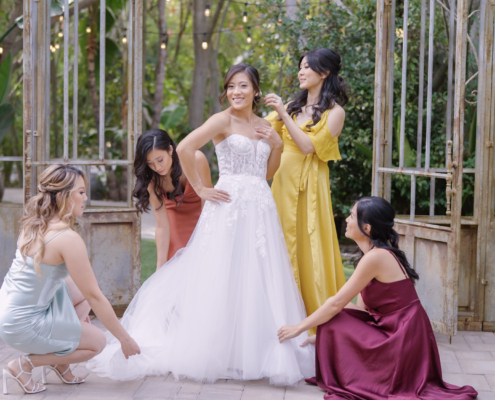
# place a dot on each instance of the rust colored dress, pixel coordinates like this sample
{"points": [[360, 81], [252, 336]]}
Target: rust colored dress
{"points": [[183, 218]]}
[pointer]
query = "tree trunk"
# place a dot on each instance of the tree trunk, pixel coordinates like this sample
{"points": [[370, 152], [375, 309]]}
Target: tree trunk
{"points": [[202, 31], [200, 73], [160, 68]]}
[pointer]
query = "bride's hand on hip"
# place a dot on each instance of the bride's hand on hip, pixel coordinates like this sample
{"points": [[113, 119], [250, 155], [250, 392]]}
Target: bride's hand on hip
{"points": [[276, 102], [270, 135], [288, 332], [130, 347], [214, 195]]}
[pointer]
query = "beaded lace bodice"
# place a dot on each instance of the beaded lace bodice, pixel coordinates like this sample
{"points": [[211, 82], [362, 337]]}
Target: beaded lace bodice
{"points": [[238, 155]]}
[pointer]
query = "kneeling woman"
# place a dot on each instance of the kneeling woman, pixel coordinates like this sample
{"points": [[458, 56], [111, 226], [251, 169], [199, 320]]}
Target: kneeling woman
{"points": [[42, 300], [383, 347], [161, 183]]}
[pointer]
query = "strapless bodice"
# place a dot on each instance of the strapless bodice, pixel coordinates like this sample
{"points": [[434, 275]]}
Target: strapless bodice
{"points": [[239, 155]]}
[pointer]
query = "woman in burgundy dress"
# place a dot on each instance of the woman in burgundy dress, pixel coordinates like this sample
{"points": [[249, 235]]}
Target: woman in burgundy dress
{"points": [[383, 347], [161, 183]]}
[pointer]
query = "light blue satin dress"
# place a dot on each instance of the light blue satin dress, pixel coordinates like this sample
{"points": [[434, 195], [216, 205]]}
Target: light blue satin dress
{"points": [[37, 315]]}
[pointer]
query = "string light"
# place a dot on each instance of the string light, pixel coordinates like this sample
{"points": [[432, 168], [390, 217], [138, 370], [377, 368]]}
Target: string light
{"points": [[57, 46], [124, 39], [60, 34], [248, 39], [88, 29], [207, 10], [1, 50], [61, 18], [163, 46], [205, 43], [244, 14]]}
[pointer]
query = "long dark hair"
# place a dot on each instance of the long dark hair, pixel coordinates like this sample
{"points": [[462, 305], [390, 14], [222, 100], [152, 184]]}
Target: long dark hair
{"points": [[254, 77], [155, 139], [380, 214], [333, 91]]}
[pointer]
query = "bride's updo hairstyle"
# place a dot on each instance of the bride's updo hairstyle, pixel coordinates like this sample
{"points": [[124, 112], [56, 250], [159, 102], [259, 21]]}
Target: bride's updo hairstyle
{"points": [[254, 77], [334, 87], [154, 139], [379, 214], [54, 199]]}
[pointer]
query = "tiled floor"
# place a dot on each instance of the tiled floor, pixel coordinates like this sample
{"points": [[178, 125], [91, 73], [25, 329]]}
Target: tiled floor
{"points": [[469, 360]]}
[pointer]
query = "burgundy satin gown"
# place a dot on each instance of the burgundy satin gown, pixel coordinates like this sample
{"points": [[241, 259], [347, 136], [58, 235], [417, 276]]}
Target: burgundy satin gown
{"points": [[390, 353]]}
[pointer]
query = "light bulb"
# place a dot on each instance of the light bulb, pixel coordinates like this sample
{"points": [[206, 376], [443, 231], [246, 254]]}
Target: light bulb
{"points": [[163, 45], [88, 29], [124, 39], [207, 10], [205, 44], [57, 46], [1, 50], [248, 39], [52, 49], [61, 18], [244, 17], [109, 144], [60, 34]]}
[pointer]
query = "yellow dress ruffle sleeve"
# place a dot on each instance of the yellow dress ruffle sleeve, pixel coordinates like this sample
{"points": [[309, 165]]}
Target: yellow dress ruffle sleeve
{"points": [[301, 188]]}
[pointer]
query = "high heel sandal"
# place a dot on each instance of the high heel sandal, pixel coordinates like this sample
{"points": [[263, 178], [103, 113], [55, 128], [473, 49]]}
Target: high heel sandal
{"points": [[75, 381], [37, 388]]}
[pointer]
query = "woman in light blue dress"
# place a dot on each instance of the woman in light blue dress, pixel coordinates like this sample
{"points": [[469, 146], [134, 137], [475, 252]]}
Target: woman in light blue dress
{"points": [[43, 307]]}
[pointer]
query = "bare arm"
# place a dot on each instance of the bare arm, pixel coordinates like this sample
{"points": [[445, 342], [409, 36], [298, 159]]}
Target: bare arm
{"points": [[203, 171], [75, 255], [366, 271], [162, 229], [299, 137], [187, 149], [265, 131]]}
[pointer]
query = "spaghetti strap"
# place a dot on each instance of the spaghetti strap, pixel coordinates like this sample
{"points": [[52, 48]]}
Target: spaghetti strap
{"points": [[398, 262], [54, 236]]}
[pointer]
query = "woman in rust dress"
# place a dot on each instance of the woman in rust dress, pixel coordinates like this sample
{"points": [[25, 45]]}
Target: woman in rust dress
{"points": [[383, 347], [161, 184]]}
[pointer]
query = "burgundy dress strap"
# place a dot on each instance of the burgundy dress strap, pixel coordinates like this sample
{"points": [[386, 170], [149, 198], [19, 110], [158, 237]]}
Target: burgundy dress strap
{"points": [[398, 262]]}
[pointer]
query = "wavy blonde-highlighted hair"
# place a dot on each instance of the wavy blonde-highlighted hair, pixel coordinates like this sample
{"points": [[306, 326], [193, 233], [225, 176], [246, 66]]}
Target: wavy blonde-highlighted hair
{"points": [[56, 185]]}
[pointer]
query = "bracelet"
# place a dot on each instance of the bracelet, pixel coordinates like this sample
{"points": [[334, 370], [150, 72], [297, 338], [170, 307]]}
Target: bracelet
{"points": [[196, 183]]}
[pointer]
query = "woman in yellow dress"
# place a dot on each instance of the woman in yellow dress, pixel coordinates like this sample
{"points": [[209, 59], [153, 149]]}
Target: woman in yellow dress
{"points": [[310, 126]]}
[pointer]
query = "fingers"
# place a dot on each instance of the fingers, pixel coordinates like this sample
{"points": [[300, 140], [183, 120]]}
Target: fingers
{"points": [[305, 343]]}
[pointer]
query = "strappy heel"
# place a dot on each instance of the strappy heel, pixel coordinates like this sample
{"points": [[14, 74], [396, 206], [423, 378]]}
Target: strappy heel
{"points": [[75, 381], [37, 388]]}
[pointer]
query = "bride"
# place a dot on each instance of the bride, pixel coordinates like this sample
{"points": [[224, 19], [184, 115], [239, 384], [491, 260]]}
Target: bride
{"points": [[214, 309]]}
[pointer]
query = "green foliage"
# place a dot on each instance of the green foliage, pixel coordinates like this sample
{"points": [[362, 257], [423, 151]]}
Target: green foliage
{"points": [[5, 76], [172, 116], [6, 119]]}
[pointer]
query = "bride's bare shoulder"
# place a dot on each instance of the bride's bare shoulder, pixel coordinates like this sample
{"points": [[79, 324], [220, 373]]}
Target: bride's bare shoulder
{"points": [[262, 121]]}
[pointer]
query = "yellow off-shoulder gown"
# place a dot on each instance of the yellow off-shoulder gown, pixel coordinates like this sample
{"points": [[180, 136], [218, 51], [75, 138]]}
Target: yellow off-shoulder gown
{"points": [[301, 188]]}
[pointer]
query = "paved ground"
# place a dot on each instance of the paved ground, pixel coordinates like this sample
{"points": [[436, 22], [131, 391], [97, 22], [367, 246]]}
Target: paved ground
{"points": [[469, 360]]}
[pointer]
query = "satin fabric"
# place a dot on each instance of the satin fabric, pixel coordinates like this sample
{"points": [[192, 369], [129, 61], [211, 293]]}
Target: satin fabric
{"points": [[36, 312], [390, 353], [183, 218], [301, 188]]}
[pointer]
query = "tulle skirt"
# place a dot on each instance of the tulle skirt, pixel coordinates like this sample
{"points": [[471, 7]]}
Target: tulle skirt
{"points": [[214, 309]]}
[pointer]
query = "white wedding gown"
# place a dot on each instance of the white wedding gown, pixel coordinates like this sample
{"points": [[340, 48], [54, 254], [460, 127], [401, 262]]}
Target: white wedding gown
{"points": [[214, 309]]}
